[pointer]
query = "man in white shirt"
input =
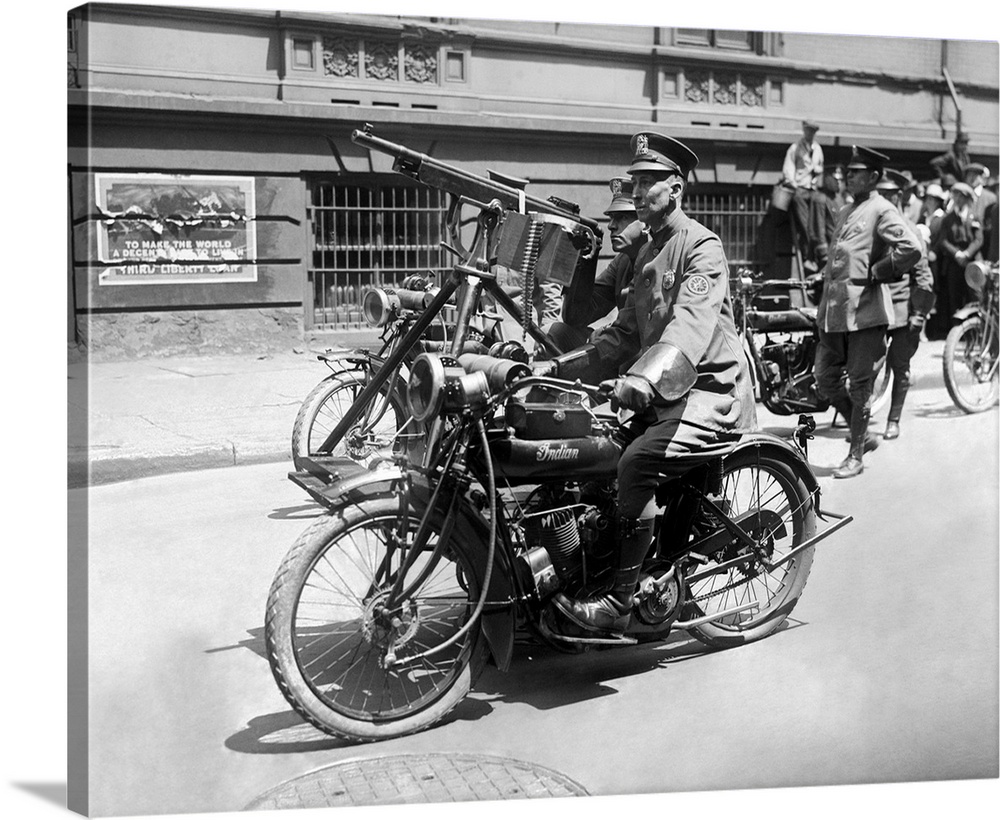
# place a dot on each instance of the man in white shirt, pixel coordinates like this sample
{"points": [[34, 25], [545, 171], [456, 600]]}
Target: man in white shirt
{"points": [[803, 171]]}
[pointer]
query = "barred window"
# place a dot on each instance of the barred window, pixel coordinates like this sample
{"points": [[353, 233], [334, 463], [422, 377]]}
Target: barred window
{"points": [[735, 217], [371, 235]]}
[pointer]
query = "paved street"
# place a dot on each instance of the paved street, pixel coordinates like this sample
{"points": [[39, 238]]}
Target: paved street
{"points": [[887, 670]]}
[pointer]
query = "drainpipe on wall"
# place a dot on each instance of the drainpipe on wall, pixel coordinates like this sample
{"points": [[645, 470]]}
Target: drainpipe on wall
{"points": [[281, 55], [954, 99], [951, 90]]}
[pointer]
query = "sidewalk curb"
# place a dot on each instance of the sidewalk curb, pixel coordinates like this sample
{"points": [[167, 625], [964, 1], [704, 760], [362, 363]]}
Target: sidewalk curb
{"points": [[81, 474]]}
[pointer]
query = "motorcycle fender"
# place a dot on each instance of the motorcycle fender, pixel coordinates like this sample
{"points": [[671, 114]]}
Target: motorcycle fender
{"points": [[498, 616], [784, 451], [359, 357], [966, 312]]}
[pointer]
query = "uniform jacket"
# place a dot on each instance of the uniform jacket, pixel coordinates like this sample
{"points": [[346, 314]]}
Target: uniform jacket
{"points": [[610, 290], [869, 231], [914, 294], [680, 297]]}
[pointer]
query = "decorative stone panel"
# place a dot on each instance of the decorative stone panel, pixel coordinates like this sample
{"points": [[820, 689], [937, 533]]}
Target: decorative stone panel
{"points": [[725, 89], [340, 57], [752, 92], [381, 60], [696, 85], [420, 64]]}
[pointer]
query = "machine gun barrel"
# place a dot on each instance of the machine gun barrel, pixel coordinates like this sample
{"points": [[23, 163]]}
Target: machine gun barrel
{"points": [[476, 189]]}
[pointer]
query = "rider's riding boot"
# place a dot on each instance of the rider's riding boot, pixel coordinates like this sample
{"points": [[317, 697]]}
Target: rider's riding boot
{"points": [[844, 409], [899, 388], [861, 443], [607, 615]]}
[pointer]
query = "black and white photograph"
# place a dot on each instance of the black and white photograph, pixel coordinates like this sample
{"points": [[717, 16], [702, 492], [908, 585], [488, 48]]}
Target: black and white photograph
{"points": [[480, 404]]}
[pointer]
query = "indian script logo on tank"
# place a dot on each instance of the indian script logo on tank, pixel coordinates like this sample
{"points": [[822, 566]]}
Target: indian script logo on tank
{"points": [[560, 453]]}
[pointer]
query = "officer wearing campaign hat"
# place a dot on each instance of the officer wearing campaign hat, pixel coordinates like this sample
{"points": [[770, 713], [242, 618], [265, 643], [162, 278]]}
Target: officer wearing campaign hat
{"points": [[590, 298], [912, 300], [872, 245], [684, 373]]}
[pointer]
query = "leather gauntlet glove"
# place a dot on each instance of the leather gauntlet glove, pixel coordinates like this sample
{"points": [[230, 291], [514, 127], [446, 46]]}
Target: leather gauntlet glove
{"points": [[634, 393]]}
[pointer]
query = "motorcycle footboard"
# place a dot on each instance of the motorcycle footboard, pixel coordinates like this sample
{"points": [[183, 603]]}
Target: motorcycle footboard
{"points": [[841, 521], [317, 476]]}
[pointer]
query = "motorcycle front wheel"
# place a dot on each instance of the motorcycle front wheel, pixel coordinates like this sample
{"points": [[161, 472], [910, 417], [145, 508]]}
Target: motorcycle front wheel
{"points": [[375, 433], [970, 366], [739, 575], [348, 663]]}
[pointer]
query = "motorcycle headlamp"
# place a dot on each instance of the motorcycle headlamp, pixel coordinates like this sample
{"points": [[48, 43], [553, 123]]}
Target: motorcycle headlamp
{"points": [[439, 385], [379, 306], [976, 274]]}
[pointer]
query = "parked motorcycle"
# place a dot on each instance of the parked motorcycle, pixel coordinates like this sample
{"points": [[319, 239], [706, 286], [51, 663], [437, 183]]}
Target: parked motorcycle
{"points": [[424, 567], [972, 346], [781, 347], [383, 425]]}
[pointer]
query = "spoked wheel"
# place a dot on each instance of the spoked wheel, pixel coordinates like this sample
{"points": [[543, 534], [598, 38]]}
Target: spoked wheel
{"points": [[381, 428], [347, 658], [782, 517], [970, 366]]}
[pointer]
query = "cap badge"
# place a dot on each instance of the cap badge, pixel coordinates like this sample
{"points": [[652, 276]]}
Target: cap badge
{"points": [[642, 144], [616, 187]]}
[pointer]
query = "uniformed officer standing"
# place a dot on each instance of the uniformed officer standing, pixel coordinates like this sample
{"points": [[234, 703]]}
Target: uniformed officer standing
{"points": [[686, 375], [872, 246], [588, 298], [912, 300]]}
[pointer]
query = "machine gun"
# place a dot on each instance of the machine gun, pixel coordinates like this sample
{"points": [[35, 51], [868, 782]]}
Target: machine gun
{"points": [[543, 238], [476, 190]]}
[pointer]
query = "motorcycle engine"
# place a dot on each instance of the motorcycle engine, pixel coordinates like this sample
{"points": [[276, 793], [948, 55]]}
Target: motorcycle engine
{"points": [[565, 544], [788, 369]]}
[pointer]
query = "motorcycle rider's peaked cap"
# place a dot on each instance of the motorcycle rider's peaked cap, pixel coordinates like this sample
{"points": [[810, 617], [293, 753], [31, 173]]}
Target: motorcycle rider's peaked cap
{"points": [[658, 152], [868, 158], [621, 196]]}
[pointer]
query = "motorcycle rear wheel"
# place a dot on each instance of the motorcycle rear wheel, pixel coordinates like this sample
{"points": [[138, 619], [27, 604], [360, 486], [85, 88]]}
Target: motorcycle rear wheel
{"points": [[327, 634], [755, 482], [967, 364], [375, 432]]}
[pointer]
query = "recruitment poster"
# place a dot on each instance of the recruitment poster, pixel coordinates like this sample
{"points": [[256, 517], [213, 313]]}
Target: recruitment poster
{"points": [[169, 229]]}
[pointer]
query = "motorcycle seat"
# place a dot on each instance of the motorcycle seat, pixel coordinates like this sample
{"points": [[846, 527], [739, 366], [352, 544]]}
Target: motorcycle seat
{"points": [[798, 319]]}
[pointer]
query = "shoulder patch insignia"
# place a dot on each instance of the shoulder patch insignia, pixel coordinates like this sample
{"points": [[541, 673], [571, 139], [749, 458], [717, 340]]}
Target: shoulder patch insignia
{"points": [[697, 284]]}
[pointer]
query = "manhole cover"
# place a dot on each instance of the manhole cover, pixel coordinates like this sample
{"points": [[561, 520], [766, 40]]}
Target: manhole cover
{"points": [[426, 778]]}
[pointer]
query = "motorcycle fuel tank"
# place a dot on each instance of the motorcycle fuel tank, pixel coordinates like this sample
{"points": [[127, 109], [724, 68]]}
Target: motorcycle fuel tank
{"points": [[586, 457]]}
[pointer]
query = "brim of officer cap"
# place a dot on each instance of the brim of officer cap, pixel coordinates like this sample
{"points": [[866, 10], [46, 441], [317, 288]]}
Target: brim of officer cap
{"points": [[620, 208], [662, 167]]}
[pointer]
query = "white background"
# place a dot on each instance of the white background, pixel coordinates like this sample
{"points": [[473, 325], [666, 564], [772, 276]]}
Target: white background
{"points": [[34, 233]]}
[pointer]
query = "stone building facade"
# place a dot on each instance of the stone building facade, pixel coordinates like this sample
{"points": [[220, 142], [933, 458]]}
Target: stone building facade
{"points": [[217, 202]]}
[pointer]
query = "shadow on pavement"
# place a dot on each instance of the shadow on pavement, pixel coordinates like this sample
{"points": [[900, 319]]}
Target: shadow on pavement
{"points": [[283, 733], [255, 643], [581, 677], [300, 512]]}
